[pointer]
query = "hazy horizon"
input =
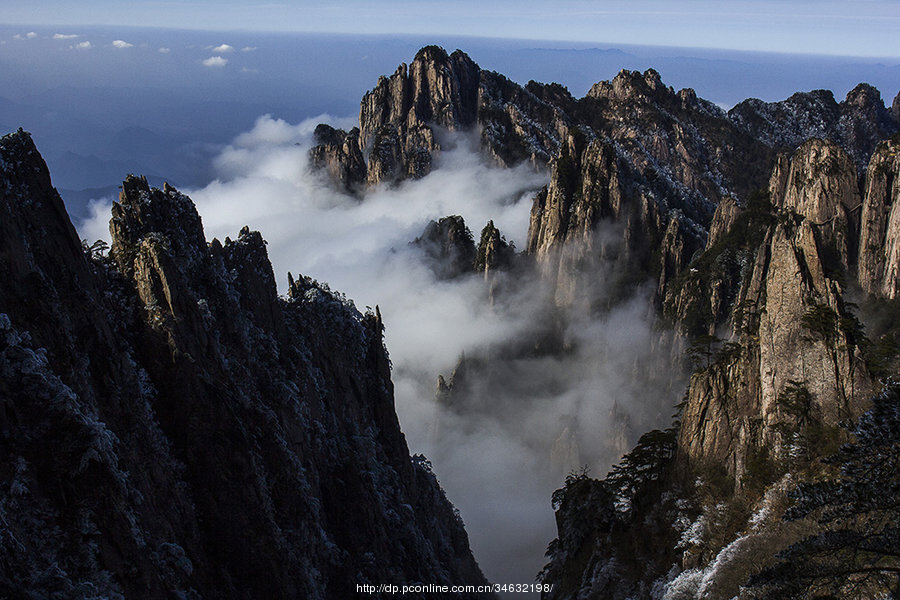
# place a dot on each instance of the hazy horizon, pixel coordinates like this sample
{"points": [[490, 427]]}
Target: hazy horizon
{"points": [[105, 101], [812, 26]]}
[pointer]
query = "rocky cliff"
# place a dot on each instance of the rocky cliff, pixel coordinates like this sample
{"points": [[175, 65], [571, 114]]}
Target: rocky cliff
{"points": [[858, 123], [766, 399], [757, 228], [879, 244], [173, 428], [633, 151], [405, 118], [794, 331]]}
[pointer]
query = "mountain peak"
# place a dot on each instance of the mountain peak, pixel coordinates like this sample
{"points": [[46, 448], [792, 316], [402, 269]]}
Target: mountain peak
{"points": [[431, 53], [865, 96], [629, 84]]}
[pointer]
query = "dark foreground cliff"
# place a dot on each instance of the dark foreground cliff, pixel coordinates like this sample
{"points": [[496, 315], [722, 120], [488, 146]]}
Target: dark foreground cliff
{"points": [[172, 428]]}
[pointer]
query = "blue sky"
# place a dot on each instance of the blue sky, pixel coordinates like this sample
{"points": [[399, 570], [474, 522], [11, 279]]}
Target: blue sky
{"points": [[847, 27]]}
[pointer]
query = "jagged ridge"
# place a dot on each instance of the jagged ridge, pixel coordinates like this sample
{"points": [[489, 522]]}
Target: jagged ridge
{"points": [[173, 427]]}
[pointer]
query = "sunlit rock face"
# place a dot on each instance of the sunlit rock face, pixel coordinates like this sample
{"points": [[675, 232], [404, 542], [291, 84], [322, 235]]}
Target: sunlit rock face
{"points": [[401, 120], [779, 347], [879, 239], [748, 226], [174, 427]]}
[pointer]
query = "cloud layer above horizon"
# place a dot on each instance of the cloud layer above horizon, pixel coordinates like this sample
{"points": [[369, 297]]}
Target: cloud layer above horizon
{"points": [[865, 27]]}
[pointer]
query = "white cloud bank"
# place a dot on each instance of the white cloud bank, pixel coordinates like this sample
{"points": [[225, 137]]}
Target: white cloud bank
{"points": [[223, 48], [121, 44], [65, 36], [215, 62]]}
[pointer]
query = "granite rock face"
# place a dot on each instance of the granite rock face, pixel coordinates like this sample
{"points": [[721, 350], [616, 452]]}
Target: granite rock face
{"points": [[337, 153], [790, 322], [727, 212], [633, 153], [448, 247], [404, 118], [792, 363], [174, 428], [493, 252], [751, 226], [879, 243], [857, 123]]}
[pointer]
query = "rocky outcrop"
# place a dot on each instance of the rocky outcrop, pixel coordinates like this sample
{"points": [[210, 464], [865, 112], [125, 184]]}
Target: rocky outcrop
{"points": [[598, 215], [723, 220], [819, 184], [879, 239], [436, 88], [649, 185], [633, 154], [338, 154], [522, 124], [493, 252], [791, 327], [447, 246], [770, 395], [585, 188], [680, 144], [403, 120], [397, 117], [174, 428], [857, 124], [796, 334]]}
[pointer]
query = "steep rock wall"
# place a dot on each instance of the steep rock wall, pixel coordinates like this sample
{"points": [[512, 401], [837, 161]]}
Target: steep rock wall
{"points": [[172, 426]]}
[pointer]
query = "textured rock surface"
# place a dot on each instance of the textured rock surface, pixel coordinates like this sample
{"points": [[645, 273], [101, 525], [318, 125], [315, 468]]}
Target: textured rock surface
{"points": [[397, 116], [879, 243], [493, 252], [819, 184], [173, 428], [633, 152], [733, 405], [791, 368], [448, 247], [403, 118], [723, 220], [789, 318], [649, 186], [683, 145], [857, 124], [338, 153]]}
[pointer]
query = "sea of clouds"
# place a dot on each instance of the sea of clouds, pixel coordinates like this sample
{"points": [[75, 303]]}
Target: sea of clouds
{"points": [[528, 418]]}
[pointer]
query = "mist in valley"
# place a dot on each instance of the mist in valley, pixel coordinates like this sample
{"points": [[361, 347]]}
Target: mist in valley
{"points": [[523, 412]]}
